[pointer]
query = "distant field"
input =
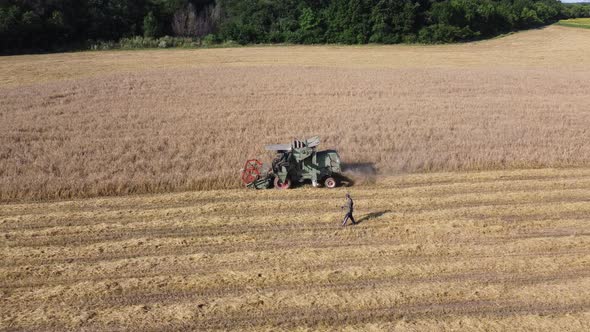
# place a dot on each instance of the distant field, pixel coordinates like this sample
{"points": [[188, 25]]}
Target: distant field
{"points": [[576, 23], [489, 251], [107, 123]]}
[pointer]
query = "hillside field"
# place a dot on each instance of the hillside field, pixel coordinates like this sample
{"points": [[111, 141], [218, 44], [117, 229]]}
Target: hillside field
{"points": [[493, 251], [121, 207]]}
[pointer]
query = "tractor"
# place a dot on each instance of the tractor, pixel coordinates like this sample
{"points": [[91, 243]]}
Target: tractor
{"points": [[294, 163]]}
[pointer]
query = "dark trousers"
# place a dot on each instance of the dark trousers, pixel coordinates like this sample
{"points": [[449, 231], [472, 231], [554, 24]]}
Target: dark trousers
{"points": [[346, 217]]}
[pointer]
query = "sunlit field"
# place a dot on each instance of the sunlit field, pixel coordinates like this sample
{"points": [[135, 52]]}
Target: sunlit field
{"points": [[121, 206], [576, 23], [109, 123], [492, 251]]}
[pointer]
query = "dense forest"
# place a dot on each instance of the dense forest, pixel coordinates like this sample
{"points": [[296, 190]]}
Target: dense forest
{"points": [[52, 25]]}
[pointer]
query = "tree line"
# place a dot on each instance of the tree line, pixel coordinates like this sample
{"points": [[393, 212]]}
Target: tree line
{"points": [[52, 25]]}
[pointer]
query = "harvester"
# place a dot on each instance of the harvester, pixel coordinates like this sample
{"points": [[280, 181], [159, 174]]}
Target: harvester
{"points": [[294, 163]]}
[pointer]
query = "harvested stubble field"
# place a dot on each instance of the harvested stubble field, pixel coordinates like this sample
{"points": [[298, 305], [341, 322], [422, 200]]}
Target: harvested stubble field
{"points": [[488, 250], [494, 251], [103, 123]]}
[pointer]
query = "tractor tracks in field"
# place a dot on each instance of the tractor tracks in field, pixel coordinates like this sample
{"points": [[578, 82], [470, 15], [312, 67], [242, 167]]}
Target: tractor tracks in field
{"points": [[120, 232], [188, 211], [69, 237], [341, 316], [526, 180], [375, 283], [281, 241], [204, 261], [189, 268], [263, 236], [438, 187], [344, 283]]}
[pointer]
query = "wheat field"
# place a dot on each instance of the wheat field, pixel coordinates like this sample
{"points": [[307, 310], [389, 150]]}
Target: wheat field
{"points": [[92, 124], [490, 251], [477, 218]]}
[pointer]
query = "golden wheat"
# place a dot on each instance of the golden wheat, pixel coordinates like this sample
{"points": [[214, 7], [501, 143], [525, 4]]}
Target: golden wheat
{"points": [[104, 123]]}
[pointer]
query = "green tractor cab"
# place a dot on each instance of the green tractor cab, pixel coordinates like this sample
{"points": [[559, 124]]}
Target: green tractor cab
{"points": [[297, 162]]}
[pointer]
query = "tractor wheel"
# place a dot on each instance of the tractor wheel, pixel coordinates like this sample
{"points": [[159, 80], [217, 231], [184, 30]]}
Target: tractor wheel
{"points": [[282, 185], [330, 182]]}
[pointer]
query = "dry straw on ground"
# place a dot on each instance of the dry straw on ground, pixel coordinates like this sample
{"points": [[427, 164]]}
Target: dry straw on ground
{"points": [[491, 251], [103, 123]]}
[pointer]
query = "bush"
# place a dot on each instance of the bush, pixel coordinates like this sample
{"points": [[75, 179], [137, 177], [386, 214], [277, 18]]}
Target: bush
{"points": [[100, 45], [442, 33], [209, 40], [276, 37], [163, 44], [139, 42]]}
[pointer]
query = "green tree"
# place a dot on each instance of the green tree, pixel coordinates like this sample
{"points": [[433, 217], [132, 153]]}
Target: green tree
{"points": [[308, 27], [529, 17], [34, 25], [151, 27], [380, 29], [9, 18]]}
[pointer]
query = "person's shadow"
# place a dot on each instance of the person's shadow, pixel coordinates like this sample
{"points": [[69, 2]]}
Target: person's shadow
{"points": [[372, 215]]}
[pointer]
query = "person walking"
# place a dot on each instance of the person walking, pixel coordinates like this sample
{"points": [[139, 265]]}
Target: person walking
{"points": [[350, 206]]}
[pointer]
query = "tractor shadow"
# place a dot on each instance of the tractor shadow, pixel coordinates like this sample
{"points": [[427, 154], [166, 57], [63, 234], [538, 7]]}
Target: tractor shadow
{"points": [[372, 215]]}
